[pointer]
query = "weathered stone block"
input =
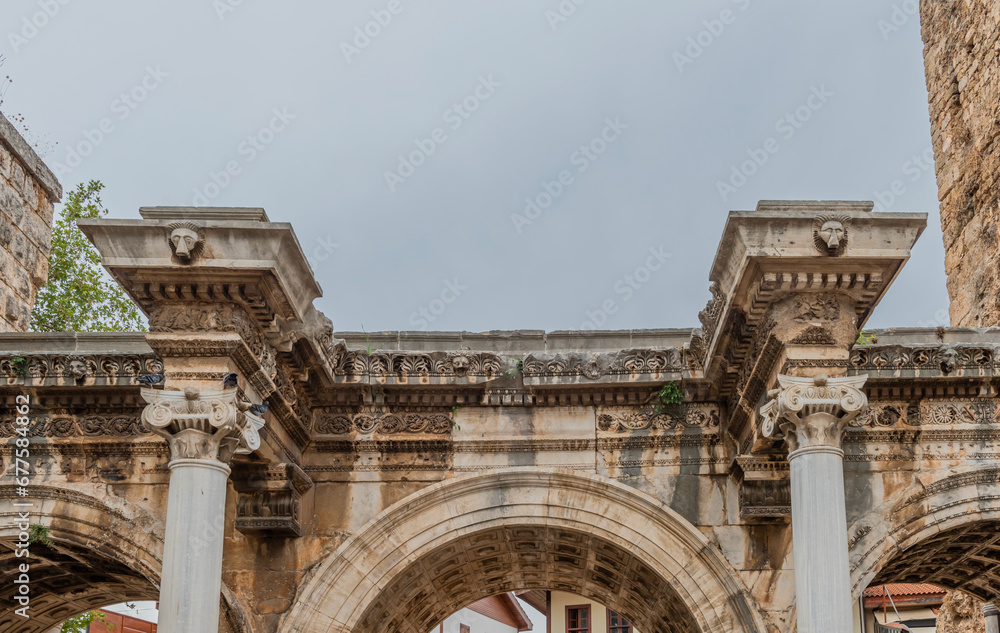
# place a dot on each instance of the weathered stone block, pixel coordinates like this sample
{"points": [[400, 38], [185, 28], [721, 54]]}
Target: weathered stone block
{"points": [[11, 203], [6, 231]]}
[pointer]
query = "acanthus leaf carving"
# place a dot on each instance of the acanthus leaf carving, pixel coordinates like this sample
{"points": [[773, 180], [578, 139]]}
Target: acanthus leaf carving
{"points": [[371, 420], [813, 412], [208, 425], [626, 419]]}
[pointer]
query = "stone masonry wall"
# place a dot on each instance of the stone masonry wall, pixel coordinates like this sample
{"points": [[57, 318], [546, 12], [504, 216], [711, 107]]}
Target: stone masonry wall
{"points": [[28, 191], [962, 64]]}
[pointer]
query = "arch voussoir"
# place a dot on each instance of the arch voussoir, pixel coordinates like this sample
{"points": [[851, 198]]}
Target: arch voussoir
{"points": [[951, 508], [627, 547]]}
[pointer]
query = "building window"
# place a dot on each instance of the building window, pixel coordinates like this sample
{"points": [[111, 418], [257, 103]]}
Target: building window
{"points": [[618, 624], [463, 628], [578, 619]]}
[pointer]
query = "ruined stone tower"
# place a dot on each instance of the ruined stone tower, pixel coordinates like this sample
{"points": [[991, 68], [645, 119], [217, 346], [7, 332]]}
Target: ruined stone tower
{"points": [[28, 191], [961, 49]]}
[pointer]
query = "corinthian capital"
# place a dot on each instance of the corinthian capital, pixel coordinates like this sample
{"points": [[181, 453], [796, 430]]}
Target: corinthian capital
{"points": [[208, 425], [813, 412]]}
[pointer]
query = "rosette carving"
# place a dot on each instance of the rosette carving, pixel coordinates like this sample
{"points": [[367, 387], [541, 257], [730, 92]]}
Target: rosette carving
{"points": [[813, 412], [202, 425]]}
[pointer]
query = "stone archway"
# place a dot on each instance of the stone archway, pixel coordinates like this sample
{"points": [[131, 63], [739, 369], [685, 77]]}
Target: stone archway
{"points": [[947, 534], [99, 555], [467, 538]]}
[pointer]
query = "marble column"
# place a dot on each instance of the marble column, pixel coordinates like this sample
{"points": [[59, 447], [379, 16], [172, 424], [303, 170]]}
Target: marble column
{"points": [[812, 414], [992, 615], [204, 430]]}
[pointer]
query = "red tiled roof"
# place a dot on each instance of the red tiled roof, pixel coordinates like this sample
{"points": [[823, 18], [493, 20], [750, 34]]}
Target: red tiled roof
{"points": [[878, 591]]}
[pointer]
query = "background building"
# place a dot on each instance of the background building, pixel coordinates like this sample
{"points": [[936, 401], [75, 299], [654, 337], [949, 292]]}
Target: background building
{"points": [[917, 606], [496, 614]]}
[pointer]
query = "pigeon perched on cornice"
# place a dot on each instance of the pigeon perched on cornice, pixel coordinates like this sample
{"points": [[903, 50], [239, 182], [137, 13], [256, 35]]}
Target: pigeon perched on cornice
{"points": [[259, 409], [150, 379], [230, 380]]}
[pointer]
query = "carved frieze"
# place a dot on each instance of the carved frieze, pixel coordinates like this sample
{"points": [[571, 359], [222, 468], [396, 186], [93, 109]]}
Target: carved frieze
{"points": [[924, 360], [709, 317], [61, 427], [882, 415], [357, 365], [814, 335], [817, 307], [73, 369], [626, 365], [973, 412], [627, 419], [203, 316], [200, 316], [375, 420]]}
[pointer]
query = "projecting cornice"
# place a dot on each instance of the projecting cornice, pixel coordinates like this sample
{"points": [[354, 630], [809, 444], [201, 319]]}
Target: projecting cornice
{"points": [[827, 254]]}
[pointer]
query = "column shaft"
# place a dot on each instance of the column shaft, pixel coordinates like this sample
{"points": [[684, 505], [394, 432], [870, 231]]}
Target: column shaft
{"points": [[992, 616], [191, 581], [823, 600]]}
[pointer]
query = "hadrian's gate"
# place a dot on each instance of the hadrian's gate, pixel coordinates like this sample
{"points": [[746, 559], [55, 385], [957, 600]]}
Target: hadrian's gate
{"points": [[400, 476]]}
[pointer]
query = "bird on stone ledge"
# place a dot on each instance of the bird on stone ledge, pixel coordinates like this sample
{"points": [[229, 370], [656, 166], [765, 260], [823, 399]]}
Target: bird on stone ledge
{"points": [[230, 380], [259, 409], [150, 379]]}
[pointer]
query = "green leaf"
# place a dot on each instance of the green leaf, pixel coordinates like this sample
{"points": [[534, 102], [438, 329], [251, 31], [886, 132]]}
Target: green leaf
{"points": [[79, 295], [82, 622]]}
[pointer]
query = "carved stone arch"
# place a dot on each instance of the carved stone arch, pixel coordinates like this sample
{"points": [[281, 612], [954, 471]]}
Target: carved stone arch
{"points": [[101, 552], [946, 533], [522, 528], [104, 550]]}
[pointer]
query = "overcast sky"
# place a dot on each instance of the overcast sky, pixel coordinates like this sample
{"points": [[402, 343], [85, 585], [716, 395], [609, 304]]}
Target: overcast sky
{"points": [[402, 139]]}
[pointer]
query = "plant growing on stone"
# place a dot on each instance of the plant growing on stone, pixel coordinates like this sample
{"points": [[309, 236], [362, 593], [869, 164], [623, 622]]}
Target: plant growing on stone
{"points": [[865, 338], [670, 395], [38, 533], [79, 295], [20, 364]]}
